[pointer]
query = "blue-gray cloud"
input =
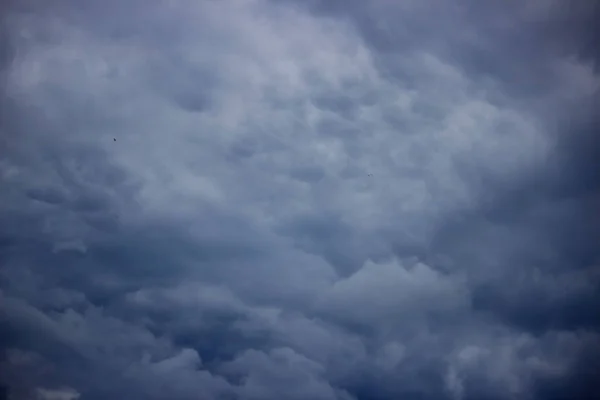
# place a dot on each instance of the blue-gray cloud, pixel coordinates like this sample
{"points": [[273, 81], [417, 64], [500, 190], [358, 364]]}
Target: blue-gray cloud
{"points": [[272, 199]]}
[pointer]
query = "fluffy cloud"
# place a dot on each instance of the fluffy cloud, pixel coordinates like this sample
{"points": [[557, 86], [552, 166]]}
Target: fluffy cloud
{"points": [[307, 200]]}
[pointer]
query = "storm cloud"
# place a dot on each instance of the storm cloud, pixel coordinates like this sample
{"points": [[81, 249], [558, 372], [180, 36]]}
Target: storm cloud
{"points": [[279, 199]]}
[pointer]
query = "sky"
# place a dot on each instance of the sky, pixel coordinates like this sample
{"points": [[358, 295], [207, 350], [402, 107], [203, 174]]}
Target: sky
{"points": [[299, 200]]}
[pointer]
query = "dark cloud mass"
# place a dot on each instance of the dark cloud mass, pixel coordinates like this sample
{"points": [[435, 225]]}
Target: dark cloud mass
{"points": [[304, 200]]}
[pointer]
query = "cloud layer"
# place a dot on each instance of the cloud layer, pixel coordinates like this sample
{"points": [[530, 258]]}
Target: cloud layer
{"points": [[299, 200]]}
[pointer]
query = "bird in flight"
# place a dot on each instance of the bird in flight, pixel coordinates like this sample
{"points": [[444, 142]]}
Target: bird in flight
{"points": [[114, 139]]}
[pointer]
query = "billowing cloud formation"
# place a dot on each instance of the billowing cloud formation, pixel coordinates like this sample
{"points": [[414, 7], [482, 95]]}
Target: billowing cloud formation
{"points": [[338, 200]]}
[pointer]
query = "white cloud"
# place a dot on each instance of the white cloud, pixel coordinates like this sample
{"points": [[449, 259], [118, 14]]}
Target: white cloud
{"points": [[392, 294], [233, 198]]}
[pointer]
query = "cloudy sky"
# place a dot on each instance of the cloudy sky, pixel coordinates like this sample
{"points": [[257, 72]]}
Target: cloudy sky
{"points": [[303, 200]]}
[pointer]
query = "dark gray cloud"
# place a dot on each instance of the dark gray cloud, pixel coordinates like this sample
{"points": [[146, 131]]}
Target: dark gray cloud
{"points": [[305, 200]]}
